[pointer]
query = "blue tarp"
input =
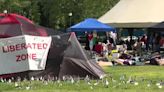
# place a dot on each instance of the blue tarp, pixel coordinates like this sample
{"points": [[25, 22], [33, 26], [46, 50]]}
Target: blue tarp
{"points": [[90, 24]]}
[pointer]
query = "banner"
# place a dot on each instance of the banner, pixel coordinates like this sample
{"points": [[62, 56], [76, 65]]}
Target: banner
{"points": [[23, 53]]}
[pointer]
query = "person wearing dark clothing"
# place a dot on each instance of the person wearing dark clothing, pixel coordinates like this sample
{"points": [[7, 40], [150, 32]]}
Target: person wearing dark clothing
{"points": [[129, 47], [157, 43], [111, 40]]}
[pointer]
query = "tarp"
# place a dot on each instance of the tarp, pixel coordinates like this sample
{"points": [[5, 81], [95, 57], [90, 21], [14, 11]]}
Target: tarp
{"points": [[135, 14], [90, 24], [23, 53]]}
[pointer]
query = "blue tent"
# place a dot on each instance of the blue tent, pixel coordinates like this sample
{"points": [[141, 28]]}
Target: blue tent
{"points": [[90, 24]]}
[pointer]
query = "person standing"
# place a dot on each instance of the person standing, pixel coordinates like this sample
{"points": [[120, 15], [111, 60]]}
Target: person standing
{"points": [[144, 41], [90, 39]]}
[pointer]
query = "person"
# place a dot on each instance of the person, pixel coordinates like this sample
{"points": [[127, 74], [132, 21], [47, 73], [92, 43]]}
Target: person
{"points": [[128, 43], [157, 43], [98, 48], [111, 41], [95, 41], [144, 41], [104, 50], [90, 39], [137, 47], [161, 42], [150, 42]]}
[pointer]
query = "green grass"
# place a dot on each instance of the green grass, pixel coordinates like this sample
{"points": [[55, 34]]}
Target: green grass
{"points": [[141, 74]]}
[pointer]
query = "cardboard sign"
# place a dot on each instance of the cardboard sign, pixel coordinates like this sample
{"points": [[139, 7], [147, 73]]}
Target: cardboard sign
{"points": [[23, 53]]}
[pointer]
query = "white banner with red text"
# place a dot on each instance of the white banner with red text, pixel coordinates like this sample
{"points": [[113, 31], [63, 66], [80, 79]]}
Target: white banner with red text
{"points": [[23, 53]]}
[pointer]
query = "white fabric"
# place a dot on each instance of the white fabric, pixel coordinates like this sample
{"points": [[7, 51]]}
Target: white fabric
{"points": [[135, 13], [22, 53]]}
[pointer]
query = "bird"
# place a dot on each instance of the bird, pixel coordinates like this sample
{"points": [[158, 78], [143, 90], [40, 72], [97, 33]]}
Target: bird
{"points": [[113, 80], [2, 80], [64, 78], [149, 84], [87, 78], [9, 81], [58, 81], [130, 80], [41, 78], [136, 83], [160, 86], [32, 78], [122, 78], [106, 83], [89, 83], [72, 80], [12, 78], [45, 83], [16, 84], [96, 83], [28, 87], [91, 87]]}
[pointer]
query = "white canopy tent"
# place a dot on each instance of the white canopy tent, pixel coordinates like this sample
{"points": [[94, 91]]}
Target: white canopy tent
{"points": [[135, 14]]}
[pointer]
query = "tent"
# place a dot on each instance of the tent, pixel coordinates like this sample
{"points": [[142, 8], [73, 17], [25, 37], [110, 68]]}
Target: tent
{"points": [[134, 14], [90, 24], [66, 56], [14, 25]]}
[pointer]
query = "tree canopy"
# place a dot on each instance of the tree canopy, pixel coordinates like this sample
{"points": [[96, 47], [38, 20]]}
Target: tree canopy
{"points": [[57, 14]]}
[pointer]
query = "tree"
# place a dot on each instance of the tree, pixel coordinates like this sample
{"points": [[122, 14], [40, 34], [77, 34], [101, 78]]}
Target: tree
{"points": [[55, 13]]}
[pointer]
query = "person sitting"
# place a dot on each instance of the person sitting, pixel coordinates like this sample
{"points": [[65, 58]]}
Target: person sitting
{"points": [[98, 48]]}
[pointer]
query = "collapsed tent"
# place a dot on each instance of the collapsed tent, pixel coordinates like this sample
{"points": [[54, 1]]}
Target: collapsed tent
{"points": [[66, 56]]}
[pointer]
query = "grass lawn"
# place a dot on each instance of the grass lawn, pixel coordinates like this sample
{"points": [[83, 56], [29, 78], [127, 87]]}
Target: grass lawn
{"points": [[120, 78]]}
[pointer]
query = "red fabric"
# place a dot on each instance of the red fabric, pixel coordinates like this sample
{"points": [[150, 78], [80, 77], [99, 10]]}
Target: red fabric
{"points": [[14, 16], [23, 26], [90, 37], [161, 42], [22, 17], [98, 48], [8, 19], [4, 36], [143, 39], [8, 75]]}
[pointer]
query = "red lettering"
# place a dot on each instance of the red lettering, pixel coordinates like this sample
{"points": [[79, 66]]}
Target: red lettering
{"points": [[34, 45], [45, 45], [17, 47], [23, 46], [24, 57], [5, 49], [28, 46], [18, 58], [12, 48], [33, 56], [39, 46]]}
